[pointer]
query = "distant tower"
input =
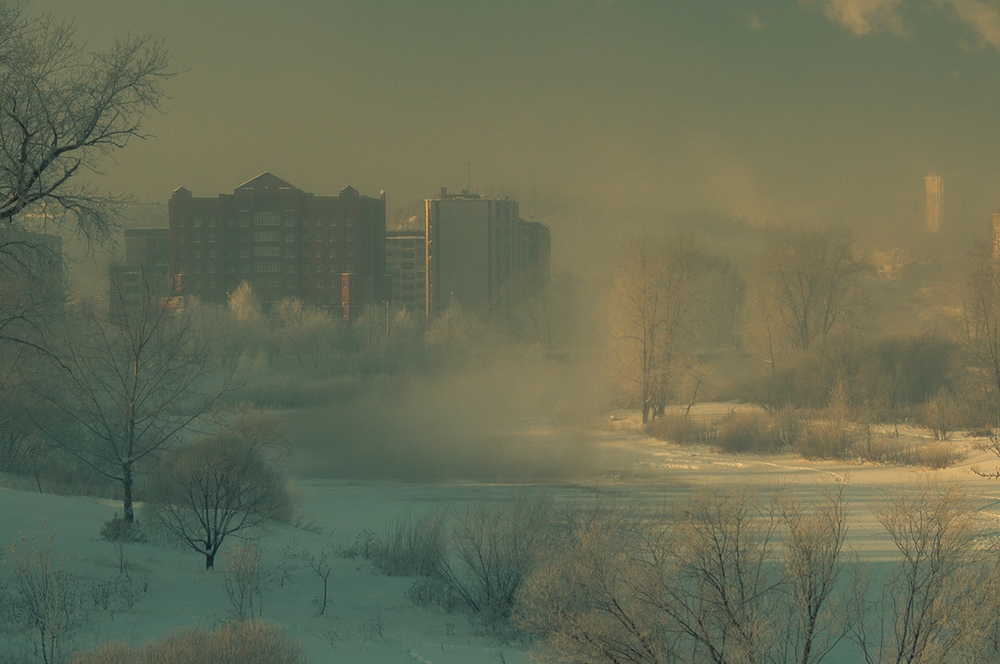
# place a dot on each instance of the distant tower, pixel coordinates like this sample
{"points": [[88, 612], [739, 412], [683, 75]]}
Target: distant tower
{"points": [[996, 235], [934, 186]]}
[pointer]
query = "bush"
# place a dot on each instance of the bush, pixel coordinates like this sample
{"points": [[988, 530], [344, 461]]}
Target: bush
{"points": [[893, 450], [680, 429], [827, 439], [231, 643], [122, 530], [754, 432], [495, 549], [411, 547]]}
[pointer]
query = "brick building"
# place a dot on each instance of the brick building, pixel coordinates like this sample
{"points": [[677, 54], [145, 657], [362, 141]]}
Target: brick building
{"points": [[326, 250]]}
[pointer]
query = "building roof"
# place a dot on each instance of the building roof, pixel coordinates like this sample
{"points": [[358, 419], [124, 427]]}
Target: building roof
{"points": [[266, 181]]}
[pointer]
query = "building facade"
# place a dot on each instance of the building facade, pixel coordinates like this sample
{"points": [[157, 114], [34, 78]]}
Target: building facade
{"points": [[481, 255], [406, 268], [934, 190], [325, 250]]}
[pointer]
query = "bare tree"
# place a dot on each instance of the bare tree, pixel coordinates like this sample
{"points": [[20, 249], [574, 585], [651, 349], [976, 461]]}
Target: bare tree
{"points": [[654, 309], [136, 378], [811, 285], [980, 331], [215, 487], [927, 609], [62, 109]]}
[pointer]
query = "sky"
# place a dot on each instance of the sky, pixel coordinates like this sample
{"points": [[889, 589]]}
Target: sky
{"points": [[589, 112]]}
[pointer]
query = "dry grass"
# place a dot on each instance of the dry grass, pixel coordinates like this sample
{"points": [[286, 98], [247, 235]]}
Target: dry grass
{"points": [[231, 643]]}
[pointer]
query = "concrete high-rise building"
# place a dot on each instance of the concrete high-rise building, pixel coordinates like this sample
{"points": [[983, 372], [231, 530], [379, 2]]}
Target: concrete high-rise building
{"points": [[481, 255], [934, 189], [406, 268], [996, 235], [325, 250]]}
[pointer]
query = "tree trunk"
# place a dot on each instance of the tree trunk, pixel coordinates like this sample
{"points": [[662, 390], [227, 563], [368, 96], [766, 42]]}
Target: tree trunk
{"points": [[128, 513], [209, 560]]}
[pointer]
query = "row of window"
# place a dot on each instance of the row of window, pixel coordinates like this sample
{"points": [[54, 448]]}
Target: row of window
{"points": [[263, 267], [276, 282], [270, 236], [263, 219], [264, 252]]}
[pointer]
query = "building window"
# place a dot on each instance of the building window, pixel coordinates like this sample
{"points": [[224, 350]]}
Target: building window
{"points": [[266, 219], [211, 223], [267, 251], [197, 223], [211, 269], [244, 253], [319, 283], [319, 253], [348, 237], [333, 221], [181, 239], [245, 269], [211, 237], [211, 253], [319, 268], [350, 252], [289, 221], [266, 236], [407, 266], [289, 253], [319, 222], [333, 253], [319, 237], [333, 237], [348, 221], [407, 254], [197, 269], [197, 253], [289, 237], [211, 283], [335, 283], [197, 283], [407, 287], [244, 223], [408, 244], [289, 269], [289, 283], [266, 266], [180, 222]]}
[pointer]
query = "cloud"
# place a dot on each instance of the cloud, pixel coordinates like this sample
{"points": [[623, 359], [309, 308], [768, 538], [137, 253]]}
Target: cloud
{"points": [[864, 16], [982, 16]]}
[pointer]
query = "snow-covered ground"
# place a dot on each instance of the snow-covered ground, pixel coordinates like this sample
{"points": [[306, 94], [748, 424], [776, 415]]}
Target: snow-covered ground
{"points": [[369, 618]]}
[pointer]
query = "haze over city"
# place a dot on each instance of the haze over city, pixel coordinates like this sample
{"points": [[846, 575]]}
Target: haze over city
{"points": [[591, 112], [601, 331]]}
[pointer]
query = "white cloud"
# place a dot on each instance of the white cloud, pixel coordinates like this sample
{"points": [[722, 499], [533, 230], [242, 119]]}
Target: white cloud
{"points": [[864, 16], [983, 16]]}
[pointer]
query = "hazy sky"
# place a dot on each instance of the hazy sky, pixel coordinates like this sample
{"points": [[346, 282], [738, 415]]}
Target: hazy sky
{"points": [[776, 110]]}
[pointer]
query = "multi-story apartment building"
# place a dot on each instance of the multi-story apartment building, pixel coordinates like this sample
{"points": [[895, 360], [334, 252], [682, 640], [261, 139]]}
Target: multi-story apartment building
{"points": [[406, 268], [325, 250], [481, 254]]}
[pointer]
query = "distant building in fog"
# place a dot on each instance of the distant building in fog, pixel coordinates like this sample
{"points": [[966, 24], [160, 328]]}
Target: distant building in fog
{"points": [[996, 235], [145, 272], [481, 255], [325, 250], [34, 281], [934, 189], [406, 268]]}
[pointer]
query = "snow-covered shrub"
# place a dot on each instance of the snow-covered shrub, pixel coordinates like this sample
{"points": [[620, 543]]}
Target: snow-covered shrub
{"points": [[232, 643], [411, 547]]}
